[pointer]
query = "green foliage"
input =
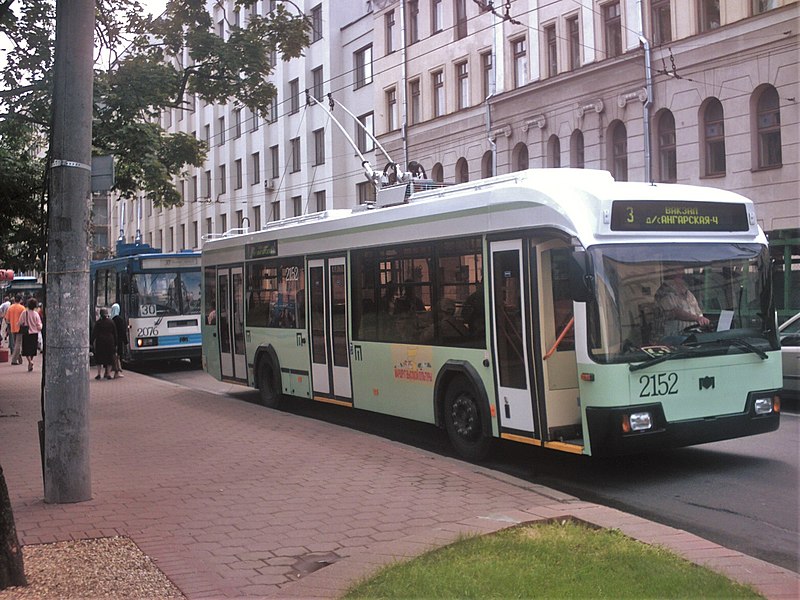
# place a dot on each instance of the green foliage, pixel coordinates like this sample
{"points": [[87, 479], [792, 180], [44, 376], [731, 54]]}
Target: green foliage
{"points": [[165, 59], [21, 184], [558, 560]]}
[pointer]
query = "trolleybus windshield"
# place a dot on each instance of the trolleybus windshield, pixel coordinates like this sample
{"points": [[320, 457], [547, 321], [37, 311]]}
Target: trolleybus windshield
{"points": [[643, 292], [169, 293]]}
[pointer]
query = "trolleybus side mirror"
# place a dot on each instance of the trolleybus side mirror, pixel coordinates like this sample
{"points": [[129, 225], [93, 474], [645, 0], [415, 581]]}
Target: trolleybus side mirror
{"points": [[581, 281]]}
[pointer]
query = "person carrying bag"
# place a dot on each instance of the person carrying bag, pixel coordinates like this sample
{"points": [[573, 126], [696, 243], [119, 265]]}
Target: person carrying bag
{"points": [[30, 326]]}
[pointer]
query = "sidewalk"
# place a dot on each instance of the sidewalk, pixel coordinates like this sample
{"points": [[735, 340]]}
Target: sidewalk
{"points": [[234, 500]]}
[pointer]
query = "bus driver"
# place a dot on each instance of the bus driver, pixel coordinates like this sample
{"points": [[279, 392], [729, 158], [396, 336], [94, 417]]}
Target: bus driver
{"points": [[678, 305]]}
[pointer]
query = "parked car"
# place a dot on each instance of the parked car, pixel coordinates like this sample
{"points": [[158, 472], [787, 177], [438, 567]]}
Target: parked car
{"points": [[790, 355]]}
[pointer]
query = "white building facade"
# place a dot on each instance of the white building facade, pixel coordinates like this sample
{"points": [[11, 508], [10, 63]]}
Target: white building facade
{"points": [[690, 91]]}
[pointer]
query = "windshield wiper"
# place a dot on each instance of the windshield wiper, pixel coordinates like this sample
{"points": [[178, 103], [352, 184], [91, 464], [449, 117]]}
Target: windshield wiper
{"points": [[740, 342], [663, 358]]}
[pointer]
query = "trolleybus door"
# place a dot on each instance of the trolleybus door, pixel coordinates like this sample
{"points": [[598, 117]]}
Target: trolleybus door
{"points": [[330, 359], [510, 333], [230, 323], [560, 369]]}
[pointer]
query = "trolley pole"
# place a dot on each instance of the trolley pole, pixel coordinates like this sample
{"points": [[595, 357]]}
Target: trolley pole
{"points": [[67, 476]]}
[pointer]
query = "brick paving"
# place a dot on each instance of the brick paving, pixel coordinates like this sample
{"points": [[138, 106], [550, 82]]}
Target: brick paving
{"points": [[233, 500]]}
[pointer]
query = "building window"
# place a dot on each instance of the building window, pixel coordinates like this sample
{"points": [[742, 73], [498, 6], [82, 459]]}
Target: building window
{"points": [[276, 210], [574, 41], [171, 240], [255, 164], [273, 108], [239, 219], [195, 193], [667, 156], [519, 157], [208, 189], [487, 164], [612, 28], [576, 150], [552, 50], [221, 28], [661, 15], [413, 21], [365, 133], [392, 119], [319, 198], [195, 236], [316, 78], [619, 151], [363, 67], [221, 131], [223, 179], [462, 170], [461, 19], [487, 73], [274, 162], [462, 76], [437, 173], [768, 125], [709, 14], [388, 20], [319, 147], [254, 121], [416, 106], [437, 16], [294, 149], [297, 206], [316, 23], [182, 243], [760, 6], [237, 169], [223, 220], [294, 96], [714, 137], [237, 122], [209, 226], [554, 152], [207, 135], [257, 218], [365, 192], [519, 51], [438, 93]]}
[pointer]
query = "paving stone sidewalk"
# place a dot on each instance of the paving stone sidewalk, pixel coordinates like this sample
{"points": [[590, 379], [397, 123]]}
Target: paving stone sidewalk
{"points": [[234, 500]]}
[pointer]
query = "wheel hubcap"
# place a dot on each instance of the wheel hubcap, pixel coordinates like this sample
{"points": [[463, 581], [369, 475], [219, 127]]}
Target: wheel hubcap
{"points": [[465, 417]]}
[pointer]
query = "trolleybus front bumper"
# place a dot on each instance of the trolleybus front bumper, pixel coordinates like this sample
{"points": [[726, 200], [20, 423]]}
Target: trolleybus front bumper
{"points": [[611, 434]]}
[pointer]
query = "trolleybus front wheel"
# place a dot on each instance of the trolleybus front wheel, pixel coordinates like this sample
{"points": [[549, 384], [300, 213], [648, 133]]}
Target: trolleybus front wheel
{"points": [[269, 391], [464, 421]]}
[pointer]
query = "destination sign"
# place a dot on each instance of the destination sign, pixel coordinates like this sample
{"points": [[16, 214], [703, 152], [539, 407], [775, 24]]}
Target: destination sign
{"points": [[678, 215], [262, 249]]}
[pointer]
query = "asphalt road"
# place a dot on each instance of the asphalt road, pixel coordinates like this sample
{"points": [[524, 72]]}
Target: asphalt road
{"points": [[740, 493]]}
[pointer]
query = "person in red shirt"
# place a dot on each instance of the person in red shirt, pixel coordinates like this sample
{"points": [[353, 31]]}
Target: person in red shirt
{"points": [[14, 340]]}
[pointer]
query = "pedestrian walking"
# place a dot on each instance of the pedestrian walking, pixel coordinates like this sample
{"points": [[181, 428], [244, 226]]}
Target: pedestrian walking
{"points": [[3, 326], [12, 318], [30, 326], [104, 341], [122, 339]]}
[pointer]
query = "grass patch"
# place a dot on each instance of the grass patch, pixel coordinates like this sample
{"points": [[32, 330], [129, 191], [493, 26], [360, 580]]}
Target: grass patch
{"points": [[551, 560]]}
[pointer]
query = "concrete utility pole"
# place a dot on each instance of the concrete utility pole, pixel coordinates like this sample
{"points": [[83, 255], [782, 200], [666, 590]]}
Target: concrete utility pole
{"points": [[67, 474]]}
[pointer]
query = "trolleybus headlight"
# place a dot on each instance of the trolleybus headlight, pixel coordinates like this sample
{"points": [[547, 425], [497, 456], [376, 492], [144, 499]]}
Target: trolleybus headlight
{"points": [[763, 406], [640, 421], [146, 342]]}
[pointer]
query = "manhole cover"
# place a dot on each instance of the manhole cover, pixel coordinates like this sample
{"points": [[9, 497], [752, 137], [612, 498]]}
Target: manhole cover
{"points": [[308, 563]]}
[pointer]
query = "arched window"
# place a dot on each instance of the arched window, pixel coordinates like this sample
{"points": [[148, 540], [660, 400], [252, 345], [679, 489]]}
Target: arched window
{"points": [[713, 121], [462, 170], [553, 152], [576, 150], [667, 157], [618, 151], [768, 127], [519, 157], [487, 164], [437, 173]]}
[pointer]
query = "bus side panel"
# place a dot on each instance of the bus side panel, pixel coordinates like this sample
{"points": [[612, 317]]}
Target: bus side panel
{"points": [[398, 379], [211, 361], [291, 347]]}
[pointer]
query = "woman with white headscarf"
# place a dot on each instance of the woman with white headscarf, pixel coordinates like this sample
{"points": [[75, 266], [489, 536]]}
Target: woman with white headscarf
{"points": [[122, 339]]}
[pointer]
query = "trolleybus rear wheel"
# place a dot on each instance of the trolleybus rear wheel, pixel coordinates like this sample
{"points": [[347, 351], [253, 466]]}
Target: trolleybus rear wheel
{"points": [[464, 421], [270, 394]]}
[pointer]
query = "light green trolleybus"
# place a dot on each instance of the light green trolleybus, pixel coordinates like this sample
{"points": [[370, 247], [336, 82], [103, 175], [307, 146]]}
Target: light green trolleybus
{"points": [[553, 307]]}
